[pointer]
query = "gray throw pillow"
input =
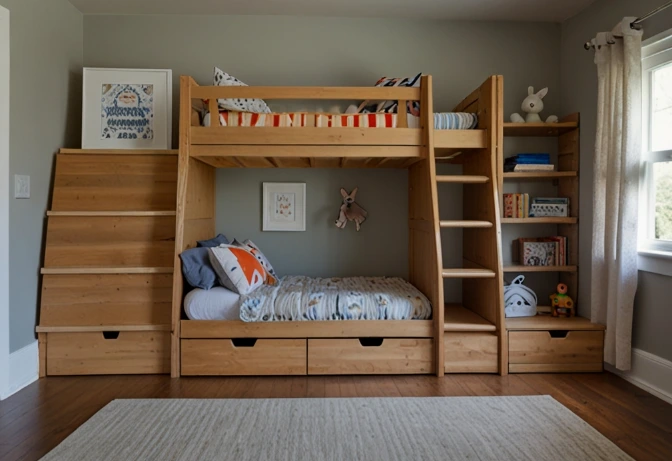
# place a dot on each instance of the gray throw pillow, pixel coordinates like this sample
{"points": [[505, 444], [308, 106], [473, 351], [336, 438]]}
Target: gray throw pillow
{"points": [[197, 269], [213, 242]]}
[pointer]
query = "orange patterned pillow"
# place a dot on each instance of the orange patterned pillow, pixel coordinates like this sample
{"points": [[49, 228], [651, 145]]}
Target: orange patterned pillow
{"points": [[237, 269]]}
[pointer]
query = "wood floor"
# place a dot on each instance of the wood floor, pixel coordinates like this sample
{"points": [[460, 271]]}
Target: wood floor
{"points": [[38, 418]]}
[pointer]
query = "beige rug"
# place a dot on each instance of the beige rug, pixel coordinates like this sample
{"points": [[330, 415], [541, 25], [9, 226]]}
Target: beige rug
{"points": [[533, 428]]}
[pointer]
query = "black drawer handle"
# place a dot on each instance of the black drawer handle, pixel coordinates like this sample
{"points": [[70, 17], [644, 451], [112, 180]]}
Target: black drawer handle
{"points": [[244, 342], [110, 334], [371, 342], [558, 333]]}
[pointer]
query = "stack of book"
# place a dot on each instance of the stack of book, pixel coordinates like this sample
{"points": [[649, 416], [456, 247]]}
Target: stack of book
{"points": [[545, 251], [528, 162], [516, 206]]}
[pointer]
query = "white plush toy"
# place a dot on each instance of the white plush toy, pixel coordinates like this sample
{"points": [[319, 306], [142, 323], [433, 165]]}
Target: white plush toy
{"points": [[532, 105]]}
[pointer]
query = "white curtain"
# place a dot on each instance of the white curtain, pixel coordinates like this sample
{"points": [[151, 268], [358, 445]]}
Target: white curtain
{"points": [[616, 187]]}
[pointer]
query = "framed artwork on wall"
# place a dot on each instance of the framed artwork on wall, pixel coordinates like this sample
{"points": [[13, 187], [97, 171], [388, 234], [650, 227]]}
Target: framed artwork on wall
{"points": [[127, 108], [284, 206]]}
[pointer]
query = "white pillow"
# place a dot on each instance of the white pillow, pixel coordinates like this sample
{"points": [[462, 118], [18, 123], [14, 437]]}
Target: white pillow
{"points": [[237, 104], [218, 303]]}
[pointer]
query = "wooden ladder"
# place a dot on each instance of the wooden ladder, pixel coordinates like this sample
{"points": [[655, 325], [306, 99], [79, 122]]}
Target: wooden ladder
{"points": [[108, 263], [481, 310]]}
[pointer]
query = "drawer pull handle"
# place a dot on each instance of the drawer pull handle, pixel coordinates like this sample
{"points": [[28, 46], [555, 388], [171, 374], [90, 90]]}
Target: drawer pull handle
{"points": [[244, 342], [110, 334], [371, 342], [558, 333]]}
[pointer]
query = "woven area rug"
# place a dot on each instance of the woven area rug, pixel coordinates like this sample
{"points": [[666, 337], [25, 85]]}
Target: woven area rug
{"points": [[533, 428]]}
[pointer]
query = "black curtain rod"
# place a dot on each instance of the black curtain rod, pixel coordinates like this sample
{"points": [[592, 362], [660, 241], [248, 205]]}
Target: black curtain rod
{"points": [[636, 24]]}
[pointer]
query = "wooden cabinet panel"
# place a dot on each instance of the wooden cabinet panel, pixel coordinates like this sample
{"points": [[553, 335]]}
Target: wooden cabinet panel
{"points": [[243, 356], [555, 351], [106, 299], [370, 356], [470, 353], [109, 353], [110, 241]]}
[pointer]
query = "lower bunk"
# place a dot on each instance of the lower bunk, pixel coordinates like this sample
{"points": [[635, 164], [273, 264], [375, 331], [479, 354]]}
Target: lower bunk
{"points": [[303, 325]]}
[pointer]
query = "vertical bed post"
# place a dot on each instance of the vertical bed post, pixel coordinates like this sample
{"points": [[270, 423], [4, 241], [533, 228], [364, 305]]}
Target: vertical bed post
{"points": [[424, 232], [182, 174]]}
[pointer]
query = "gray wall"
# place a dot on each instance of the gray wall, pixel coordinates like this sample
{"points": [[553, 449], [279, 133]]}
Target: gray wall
{"points": [[46, 66], [579, 94], [334, 51]]}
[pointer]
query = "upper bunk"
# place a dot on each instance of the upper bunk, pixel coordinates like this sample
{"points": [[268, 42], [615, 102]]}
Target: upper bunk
{"points": [[323, 144]]}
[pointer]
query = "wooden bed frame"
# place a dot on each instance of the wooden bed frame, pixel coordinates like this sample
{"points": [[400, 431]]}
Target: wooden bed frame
{"points": [[474, 332]]}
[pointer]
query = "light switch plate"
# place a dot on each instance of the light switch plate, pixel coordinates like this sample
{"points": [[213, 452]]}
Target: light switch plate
{"points": [[21, 186]]}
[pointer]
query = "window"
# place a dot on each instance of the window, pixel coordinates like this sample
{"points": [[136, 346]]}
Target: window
{"points": [[656, 186]]}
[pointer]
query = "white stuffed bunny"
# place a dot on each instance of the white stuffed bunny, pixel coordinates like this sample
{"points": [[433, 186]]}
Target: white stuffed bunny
{"points": [[532, 105]]}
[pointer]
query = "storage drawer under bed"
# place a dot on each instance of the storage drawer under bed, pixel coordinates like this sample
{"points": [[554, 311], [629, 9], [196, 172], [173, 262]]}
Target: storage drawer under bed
{"points": [[555, 351], [346, 356], [243, 356], [108, 353]]}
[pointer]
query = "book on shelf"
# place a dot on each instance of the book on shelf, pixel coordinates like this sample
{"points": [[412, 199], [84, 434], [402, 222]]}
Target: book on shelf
{"points": [[522, 168], [516, 205], [544, 251]]}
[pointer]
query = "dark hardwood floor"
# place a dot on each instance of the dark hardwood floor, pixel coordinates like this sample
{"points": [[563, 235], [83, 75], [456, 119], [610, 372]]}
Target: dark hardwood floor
{"points": [[39, 417]]}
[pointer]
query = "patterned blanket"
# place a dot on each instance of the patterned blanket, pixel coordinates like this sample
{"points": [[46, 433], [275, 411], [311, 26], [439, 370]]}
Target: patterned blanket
{"points": [[356, 298]]}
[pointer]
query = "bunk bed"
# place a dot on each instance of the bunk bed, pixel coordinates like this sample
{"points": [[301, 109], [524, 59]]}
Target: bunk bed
{"points": [[234, 347]]}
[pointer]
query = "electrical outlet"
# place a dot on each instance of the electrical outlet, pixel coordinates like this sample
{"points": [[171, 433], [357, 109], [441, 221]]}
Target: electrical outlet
{"points": [[21, 186]]}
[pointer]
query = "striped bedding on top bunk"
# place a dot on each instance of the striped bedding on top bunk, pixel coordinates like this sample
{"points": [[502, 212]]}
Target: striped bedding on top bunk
{"points": [[442, 120]]}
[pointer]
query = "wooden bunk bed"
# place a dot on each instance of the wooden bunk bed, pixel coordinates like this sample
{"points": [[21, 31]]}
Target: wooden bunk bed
{"points": [[465, 338]]}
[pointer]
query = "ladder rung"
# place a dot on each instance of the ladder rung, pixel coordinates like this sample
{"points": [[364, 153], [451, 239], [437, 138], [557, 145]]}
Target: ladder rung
{"points": [[465, 179], [467, 273], [105, 270], [466, 224]]}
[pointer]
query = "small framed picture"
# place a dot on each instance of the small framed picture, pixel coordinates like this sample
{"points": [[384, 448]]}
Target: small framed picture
{"points": [[284, 206], [127, 109]]}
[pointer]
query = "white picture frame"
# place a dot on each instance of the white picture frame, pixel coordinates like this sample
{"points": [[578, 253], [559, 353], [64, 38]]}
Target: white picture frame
{"points": [[284, 206], [145, 119]]}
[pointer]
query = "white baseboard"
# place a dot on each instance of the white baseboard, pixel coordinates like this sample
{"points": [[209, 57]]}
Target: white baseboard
{"points": [[23, 369], [649, 372]]}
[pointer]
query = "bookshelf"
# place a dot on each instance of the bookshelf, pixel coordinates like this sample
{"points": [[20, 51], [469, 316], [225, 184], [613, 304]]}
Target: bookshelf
{"points": [[544, 343], [566, 180]]}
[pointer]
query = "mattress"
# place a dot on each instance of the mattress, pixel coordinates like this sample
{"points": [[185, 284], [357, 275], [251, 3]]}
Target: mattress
{"points": [[442, 120], [298, 298]]}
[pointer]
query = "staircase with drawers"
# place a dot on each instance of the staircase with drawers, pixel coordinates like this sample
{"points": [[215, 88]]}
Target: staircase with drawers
{"points": [[108, 263]]}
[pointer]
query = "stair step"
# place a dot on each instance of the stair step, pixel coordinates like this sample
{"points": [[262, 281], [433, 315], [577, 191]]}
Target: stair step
{"points": [[105, 270], [464, 179], [467, 273], [465, 224], [459, 318], [86, 328], [110, 213]]}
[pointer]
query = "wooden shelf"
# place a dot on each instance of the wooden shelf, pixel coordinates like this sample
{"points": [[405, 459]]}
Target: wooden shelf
{"points": [[549, 220], [546, 322], [465, 224], [119, 151], [111, 213], [459, 318], [462, 179], [94, 328], [540, 174], [467, 273], [521, 268], [538, 129], [105, 270]]}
